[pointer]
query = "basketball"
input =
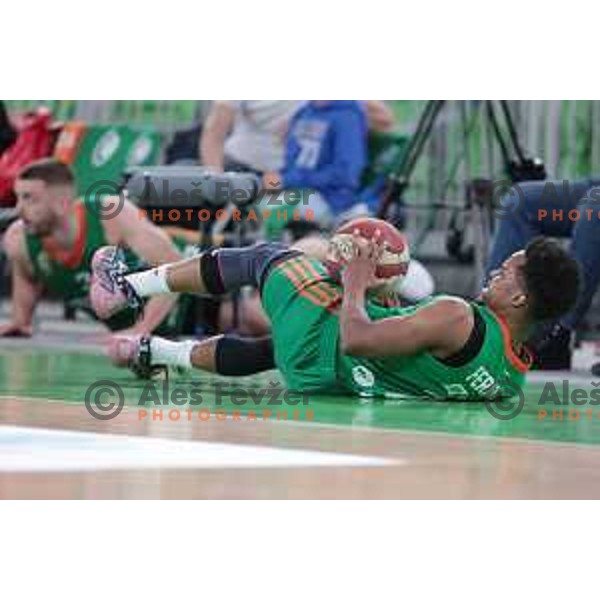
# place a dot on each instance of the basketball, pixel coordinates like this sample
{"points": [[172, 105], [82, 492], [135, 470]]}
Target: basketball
{"points": [[395, 258]]}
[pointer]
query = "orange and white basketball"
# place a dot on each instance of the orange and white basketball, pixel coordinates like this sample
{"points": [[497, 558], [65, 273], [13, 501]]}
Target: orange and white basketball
{"points": [[394, 261]]}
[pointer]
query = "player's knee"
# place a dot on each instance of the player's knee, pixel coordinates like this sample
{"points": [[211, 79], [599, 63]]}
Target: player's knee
{"points": [[236, 356], [210, 272]]}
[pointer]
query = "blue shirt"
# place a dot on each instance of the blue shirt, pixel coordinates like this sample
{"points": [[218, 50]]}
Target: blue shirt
{"points": [[326, 150]]}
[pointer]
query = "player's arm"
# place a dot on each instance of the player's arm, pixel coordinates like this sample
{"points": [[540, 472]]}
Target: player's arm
{"points": [[442, 327], [25, 291], [129, 228], [217, 126]]}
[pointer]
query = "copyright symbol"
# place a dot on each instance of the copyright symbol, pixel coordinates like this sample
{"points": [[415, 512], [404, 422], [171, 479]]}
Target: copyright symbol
{"points": [[504, 406], [105, 199], [96, 400], [507, 198]]}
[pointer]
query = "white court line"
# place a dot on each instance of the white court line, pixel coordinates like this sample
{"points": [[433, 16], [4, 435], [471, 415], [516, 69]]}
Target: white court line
{"points": [[379, 429], [30, 449]]}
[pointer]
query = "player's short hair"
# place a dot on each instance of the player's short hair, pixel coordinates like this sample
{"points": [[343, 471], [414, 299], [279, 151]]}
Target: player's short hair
{"points": [[50, 171], [552, 279]]}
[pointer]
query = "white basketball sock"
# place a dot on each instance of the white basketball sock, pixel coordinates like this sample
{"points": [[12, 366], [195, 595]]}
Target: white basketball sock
{"points": [[150, 282], [176, 354]]}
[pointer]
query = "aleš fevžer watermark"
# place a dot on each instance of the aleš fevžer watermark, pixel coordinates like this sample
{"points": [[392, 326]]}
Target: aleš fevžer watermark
{"points": [[161, 400]]}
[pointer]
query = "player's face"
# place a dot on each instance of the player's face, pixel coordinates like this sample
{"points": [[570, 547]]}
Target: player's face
{"points": [[35, 206], [506, 286]]}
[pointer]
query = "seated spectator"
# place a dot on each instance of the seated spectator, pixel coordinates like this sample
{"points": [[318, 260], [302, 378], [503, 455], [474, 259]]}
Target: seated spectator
{"points": [[326, 152], [246, 135], [249, 135], [552, 343]]}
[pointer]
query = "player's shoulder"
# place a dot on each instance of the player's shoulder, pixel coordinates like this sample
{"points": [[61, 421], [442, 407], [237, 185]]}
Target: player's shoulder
{"points": [[101, 210], [452, 308], [118, 208], [450, 302], [119, 218]]}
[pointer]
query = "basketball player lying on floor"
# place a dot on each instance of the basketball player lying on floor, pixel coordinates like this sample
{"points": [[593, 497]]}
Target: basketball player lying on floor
{"points": [[330, 337]]}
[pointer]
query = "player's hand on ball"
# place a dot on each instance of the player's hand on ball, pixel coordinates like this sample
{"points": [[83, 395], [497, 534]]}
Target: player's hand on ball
{"points": [[359, 273], [389, 249]]}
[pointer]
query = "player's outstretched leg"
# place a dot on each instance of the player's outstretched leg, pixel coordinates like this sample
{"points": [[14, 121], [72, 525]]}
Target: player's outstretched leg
{"points": [[222, 354], [213, 272]]}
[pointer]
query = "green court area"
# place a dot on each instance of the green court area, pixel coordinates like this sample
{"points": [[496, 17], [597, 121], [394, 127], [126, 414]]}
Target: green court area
{"points": [[66, 375]]}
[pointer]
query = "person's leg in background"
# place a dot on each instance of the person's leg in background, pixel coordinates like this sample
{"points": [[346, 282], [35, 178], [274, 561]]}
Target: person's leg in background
{"points": [[585, 247], [252, 320], [516, 229], [554, 342]]}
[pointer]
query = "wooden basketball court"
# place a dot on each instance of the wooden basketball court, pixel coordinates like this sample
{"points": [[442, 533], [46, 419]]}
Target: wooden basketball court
{"points": [[52, 447]]}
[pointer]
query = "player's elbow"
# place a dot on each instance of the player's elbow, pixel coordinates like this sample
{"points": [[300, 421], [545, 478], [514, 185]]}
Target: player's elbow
{"points": [[356, 335], [355, 344], [354, 350]]}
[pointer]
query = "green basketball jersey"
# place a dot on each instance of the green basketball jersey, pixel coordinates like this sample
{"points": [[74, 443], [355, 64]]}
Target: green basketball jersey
{"points": [[495, 369], [67, 275], [302, 301]]}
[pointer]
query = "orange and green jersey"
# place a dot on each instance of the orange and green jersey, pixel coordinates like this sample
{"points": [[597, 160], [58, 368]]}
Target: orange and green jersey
{"points": [[302, 301]]}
